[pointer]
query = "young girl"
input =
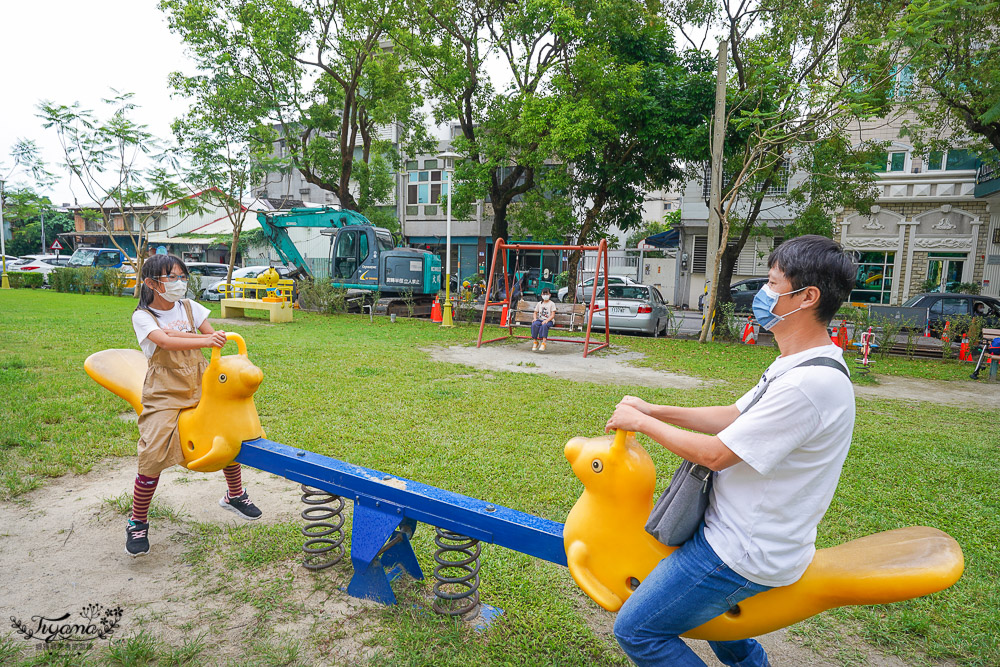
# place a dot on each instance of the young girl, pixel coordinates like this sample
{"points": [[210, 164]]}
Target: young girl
{"points": [[167, 327]]}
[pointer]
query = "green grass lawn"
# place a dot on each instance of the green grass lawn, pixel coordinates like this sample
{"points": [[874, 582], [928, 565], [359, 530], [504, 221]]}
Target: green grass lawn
{"points": [[369, 394]]}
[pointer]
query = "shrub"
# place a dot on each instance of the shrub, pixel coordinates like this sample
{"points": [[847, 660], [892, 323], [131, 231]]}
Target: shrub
{"points": [[111, 282], [727, 324], [26, 280], [561, 279], [968, 288], [322, 297]]}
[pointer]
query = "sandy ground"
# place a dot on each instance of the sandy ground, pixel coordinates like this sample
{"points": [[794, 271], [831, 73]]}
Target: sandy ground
{"points": [[565, 360]]}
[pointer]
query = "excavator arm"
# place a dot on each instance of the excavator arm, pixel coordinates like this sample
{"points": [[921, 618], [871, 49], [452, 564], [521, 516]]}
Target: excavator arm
{"points": [[277, 224]]}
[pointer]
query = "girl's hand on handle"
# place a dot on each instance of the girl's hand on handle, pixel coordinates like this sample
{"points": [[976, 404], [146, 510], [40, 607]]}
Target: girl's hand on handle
{"points": [[636, 403], [218, 339]]}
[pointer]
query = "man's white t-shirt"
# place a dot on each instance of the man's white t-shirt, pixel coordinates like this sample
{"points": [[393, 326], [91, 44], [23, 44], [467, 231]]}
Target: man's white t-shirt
{"points": [[174, 319], [763, 512]]}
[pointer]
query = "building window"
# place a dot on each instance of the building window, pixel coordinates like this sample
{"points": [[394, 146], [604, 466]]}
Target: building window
{"points": [[411, 165], [700, 255], [430, 164], [952, 160], [426, 188], [779, 184], [873, 282], [897, 162]]}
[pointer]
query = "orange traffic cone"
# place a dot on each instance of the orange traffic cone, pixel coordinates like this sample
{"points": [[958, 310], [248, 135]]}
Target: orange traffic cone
{"points": [[835, 336], [747, 337], [964, 353], [436, 315], [503, 315], [944, 334]]}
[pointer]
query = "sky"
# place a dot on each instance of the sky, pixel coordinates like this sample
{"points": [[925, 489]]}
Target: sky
{"points": [[69, 51]]}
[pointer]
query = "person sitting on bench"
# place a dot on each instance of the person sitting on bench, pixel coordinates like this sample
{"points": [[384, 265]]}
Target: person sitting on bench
{"points": [[545, 315]]}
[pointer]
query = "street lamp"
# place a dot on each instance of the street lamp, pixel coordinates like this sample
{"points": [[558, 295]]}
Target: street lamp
{"points": [[449, 169]]}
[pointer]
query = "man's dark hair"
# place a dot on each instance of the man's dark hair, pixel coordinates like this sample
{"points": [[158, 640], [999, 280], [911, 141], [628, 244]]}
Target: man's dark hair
{"points": [[816, 261]]}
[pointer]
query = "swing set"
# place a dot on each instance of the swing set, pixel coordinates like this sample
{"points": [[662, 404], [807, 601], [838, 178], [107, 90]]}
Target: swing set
{"points": [[509, 308]]}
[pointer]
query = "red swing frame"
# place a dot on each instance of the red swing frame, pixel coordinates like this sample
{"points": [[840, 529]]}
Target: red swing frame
{"points": [[500, 259]]}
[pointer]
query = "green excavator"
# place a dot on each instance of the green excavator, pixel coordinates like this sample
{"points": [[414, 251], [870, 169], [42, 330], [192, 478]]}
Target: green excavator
{"points": [[364, 259]]}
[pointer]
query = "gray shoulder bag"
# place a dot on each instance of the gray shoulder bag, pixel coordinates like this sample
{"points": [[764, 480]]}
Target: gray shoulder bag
{"points": [[681, 507]]}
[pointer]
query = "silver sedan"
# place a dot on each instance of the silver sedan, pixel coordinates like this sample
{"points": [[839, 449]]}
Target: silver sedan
{"points": [[633, 309]]}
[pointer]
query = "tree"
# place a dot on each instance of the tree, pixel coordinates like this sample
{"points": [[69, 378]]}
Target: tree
{"points": [[26, 212], [18, 200], [230, 149], [789, 105], [619, 121], [671, 220], [453, 44], [320, 73], [122, 168], [950, 74]]}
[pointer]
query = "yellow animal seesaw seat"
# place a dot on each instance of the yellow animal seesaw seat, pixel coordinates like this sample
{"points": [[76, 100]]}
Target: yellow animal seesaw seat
{"points": [[212, 432], [609, 551]]}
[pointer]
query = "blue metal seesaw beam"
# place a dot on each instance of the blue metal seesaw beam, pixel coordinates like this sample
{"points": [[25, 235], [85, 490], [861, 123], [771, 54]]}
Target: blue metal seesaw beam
{"points": [[386, 506]]}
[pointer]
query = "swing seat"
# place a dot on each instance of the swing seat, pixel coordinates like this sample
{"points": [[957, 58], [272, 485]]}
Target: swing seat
{"points": [[122, 372]]}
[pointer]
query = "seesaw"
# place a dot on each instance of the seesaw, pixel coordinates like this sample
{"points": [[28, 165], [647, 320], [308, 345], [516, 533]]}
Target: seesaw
{"points": [[603, 542]]}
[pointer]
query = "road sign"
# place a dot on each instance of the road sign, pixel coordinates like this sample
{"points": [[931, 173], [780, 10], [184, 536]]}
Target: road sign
{"points": [[56, 245]]}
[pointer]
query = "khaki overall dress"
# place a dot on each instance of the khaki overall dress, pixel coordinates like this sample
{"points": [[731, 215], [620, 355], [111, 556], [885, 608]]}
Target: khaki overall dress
{"points": [[173, 382]]}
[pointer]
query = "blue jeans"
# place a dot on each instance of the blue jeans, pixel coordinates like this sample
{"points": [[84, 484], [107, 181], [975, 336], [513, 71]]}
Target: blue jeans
{"points": [[688, 588], [539, 330]]}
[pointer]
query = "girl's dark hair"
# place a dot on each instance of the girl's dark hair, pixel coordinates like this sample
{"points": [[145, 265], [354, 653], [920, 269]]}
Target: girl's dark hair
{"points": [[154, 267], [816, 261]]}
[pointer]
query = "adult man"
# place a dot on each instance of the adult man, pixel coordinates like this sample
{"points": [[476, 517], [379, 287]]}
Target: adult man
{"points": [[778, 451]]}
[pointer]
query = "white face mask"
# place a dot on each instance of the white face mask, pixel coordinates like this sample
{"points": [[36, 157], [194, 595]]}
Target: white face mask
{"points": [[545, 297], [174, 291]]}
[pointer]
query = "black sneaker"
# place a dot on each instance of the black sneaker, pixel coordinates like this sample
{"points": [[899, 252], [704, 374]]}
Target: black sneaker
{"points": [[136, 538], [241, 506]]}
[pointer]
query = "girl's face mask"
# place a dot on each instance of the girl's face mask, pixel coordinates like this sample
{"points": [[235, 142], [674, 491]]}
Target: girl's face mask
{"points": [[174, 291], [545, 297], [763, 307]]}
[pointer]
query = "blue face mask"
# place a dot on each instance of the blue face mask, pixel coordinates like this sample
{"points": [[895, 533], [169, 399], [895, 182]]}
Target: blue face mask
{"points": [[763, 307]]}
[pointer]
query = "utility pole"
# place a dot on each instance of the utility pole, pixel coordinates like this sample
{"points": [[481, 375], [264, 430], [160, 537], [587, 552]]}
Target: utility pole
{"points": [[715, 195]]}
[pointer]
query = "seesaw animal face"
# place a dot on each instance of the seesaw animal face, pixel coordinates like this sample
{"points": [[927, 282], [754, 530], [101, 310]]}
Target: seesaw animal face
{"points": [[620, 470], [231, 377]]}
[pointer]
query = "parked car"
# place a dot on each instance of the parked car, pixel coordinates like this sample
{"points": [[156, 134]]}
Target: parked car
{"points": [[44, 264], [584, 291], [743, 293], [942, 306], [100, 258], [205, 275], [632, 308], [213, 293]]}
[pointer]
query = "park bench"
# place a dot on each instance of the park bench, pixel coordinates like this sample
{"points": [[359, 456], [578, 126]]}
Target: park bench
{"points": [[251, 294], [569, 316]]}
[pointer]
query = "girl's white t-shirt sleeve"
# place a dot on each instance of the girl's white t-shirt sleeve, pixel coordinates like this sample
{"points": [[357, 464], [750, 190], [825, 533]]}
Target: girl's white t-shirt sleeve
{"points": [[200, 313], [143, 322]]}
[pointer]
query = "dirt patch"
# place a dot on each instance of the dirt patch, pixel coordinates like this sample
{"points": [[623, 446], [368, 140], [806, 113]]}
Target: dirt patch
{"points": [[63, 547], [565, 361], [978, 395]]}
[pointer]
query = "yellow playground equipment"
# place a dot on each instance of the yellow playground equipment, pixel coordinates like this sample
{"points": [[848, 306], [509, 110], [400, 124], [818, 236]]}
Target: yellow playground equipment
{"points": [[211, 432], [609, 551], [268, 291]]}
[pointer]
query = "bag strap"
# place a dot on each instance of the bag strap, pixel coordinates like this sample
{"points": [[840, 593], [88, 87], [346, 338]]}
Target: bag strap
{"points": [[187, 309], [815, 361]]}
